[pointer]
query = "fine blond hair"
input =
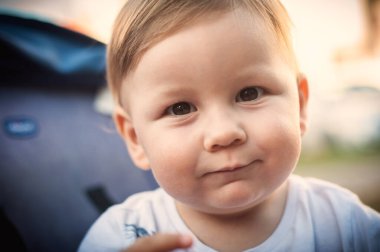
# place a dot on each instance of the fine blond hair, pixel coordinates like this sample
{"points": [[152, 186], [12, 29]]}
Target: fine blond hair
{"points": [[142, 23]]}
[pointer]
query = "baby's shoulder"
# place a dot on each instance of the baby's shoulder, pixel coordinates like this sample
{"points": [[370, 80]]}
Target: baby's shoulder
{"points": [[139, 204], [139, 215], [334, 216], [319, 189], [324, 198], [142, 199]]}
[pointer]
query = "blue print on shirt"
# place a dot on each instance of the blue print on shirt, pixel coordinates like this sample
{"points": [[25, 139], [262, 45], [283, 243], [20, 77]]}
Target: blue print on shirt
{"points": [[133, 232]]}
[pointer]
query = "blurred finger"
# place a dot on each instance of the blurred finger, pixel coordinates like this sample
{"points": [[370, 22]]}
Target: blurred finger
{"points": [[161, 243]]}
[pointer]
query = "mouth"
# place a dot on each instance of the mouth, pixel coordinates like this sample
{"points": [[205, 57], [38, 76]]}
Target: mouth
{"points": [[232, 168]]}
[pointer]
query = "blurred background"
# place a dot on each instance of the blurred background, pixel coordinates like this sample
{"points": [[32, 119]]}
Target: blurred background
{"points": [[338, 47]]}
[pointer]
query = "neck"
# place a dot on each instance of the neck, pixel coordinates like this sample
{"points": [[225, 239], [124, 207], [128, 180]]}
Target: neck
{"points": [[238, 231]]}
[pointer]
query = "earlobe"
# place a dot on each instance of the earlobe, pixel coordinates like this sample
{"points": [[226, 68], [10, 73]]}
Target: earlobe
{"points": [[127, 131], [303, 93]]}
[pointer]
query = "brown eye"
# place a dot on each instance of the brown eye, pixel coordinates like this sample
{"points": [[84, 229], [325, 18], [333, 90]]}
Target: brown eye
{"points": [[249, 94], [180, 108]]}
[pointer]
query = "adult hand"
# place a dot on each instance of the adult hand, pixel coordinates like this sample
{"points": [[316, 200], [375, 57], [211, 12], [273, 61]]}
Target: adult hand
{"points": [[161, 243]]}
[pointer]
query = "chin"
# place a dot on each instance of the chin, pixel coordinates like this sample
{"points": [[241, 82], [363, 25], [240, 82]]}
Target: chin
{"points": [[234, 200]]}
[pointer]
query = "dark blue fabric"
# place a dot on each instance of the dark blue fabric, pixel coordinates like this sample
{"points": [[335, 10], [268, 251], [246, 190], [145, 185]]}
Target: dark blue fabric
{"points": [[41, 53], [61, 162]]}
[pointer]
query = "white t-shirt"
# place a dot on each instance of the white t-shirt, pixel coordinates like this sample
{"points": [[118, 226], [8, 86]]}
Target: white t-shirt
{"points": [[319, 216]]}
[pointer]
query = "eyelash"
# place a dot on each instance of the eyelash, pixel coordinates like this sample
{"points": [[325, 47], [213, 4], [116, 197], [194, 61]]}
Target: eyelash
{"points": [[184, 108]]}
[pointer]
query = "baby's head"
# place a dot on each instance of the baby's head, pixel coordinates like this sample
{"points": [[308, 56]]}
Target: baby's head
{"points": [[142, 23], [209, 97]]}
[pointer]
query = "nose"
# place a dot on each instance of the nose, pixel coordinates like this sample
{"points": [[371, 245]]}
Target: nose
{"points": [[223, 131]]}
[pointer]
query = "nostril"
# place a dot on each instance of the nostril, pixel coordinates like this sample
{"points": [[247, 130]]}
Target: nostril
{"points": [[215, 147], [236, 142]]}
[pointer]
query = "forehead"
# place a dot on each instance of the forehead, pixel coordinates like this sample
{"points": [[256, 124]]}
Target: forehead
{"points": [[165, 25], [218, 35], [249, 19], [215, 48]]}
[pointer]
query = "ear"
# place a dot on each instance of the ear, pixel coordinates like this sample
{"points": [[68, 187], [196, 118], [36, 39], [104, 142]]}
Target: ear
{"points": [[303, 93], [127, 131]]}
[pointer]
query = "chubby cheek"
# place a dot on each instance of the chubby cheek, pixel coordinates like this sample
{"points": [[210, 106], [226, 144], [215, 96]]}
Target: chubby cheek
{"points": [[281, 144], [173, 159]]}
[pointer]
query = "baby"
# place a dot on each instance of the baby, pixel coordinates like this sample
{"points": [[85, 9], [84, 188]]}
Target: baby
{"points": [[209, 96]]}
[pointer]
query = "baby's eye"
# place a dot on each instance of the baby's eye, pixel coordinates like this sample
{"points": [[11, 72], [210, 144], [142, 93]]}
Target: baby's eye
{"points": [[249, 94], [180, 108]]}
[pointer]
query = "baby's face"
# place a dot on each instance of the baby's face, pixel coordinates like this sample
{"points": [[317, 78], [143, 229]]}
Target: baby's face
{"points": [[215, 113]]}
